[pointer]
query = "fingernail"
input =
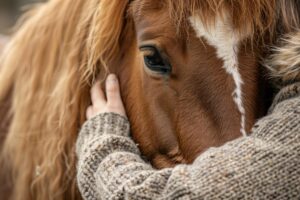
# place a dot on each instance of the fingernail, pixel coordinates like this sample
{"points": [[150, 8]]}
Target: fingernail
{"points": [[112, 78]]}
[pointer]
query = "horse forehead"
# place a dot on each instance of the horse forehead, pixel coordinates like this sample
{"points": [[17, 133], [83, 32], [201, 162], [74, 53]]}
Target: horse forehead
{"points": [[222, 36]]}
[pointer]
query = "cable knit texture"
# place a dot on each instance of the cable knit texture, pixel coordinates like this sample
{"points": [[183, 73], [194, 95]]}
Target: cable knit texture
{"points": [[264, 165]]}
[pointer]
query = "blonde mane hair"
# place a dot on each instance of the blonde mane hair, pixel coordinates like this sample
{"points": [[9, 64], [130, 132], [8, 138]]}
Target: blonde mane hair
{"points": [[50, 65]]}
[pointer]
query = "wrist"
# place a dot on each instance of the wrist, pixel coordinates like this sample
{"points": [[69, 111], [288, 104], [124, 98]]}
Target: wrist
{"points": [[102, 124]]}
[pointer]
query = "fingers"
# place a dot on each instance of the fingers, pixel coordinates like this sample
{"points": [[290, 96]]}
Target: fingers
{"points": [[97, 95], [113, 94], [112, 104], [89, 112], [113, 91]]}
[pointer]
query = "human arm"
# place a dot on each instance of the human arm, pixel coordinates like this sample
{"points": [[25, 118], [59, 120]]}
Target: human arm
{"points": [[263, 165]]}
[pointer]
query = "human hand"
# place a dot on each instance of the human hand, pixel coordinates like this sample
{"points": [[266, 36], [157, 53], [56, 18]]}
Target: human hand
{"points": [[111, 103]]}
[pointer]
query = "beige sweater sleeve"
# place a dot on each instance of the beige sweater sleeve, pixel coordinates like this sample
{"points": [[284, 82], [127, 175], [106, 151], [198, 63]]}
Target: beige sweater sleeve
{"points": [[265, 165]]}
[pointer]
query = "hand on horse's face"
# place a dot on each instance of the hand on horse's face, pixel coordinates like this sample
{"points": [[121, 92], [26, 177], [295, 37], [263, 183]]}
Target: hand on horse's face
{"points": [[112, 102]]}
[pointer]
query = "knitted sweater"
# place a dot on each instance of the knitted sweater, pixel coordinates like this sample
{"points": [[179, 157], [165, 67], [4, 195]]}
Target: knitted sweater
{"points": [[264, 165]]}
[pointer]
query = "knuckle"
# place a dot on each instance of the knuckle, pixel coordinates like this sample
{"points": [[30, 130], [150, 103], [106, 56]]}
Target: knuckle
{"points": [[112, 88], [97, 108], [113, 107]]}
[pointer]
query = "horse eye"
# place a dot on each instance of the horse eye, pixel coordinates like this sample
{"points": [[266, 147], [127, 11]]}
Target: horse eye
{"points": [[155, 61]]}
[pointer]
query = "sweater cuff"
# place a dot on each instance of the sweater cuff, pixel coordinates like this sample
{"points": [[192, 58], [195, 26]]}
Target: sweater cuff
{"points": [[104, 123]]}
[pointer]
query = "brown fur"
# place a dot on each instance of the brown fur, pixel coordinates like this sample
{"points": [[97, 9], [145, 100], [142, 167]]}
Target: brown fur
{"points": [[62, 46]]}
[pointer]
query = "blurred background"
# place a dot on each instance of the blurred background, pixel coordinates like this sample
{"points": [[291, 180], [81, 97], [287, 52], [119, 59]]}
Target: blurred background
{"points": [[10, 11]]}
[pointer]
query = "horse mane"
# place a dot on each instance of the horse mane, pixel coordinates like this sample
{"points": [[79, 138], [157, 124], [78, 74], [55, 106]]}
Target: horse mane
{"points": [[265, 17], [49, 65], [58, 51]]}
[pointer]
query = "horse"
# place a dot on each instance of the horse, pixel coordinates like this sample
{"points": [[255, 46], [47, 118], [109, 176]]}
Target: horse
{"points": [[190, 73]]}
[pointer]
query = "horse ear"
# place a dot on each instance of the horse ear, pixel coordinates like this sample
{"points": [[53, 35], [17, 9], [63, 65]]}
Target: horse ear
{"points": [[289, 16]]}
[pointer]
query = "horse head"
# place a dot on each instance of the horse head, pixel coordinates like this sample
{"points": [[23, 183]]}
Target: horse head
{"points": [[188, 90]]}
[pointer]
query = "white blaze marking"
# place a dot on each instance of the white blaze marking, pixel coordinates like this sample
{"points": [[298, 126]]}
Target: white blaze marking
{"points": [[223, 38]]}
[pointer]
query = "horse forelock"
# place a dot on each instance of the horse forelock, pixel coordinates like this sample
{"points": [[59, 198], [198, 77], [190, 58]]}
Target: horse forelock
{"points": [[258, 17]]}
